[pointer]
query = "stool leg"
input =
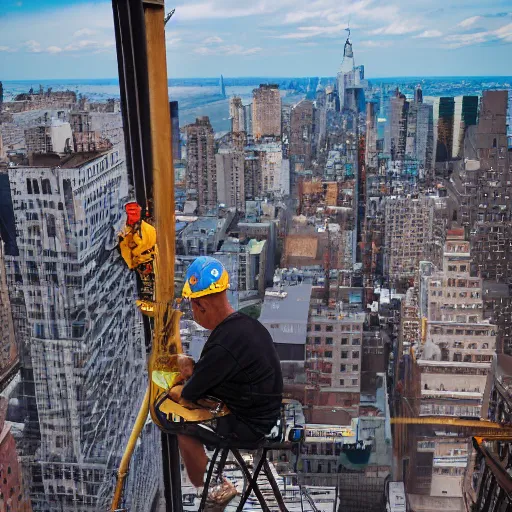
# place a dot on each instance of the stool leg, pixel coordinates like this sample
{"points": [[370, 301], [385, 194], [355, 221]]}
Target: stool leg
{"points": [[273, 484], [222, 462], [251, 481], [208, 480]]}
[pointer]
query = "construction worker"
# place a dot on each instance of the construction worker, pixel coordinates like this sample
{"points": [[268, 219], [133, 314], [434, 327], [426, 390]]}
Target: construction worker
{"points": [[239, 366]]}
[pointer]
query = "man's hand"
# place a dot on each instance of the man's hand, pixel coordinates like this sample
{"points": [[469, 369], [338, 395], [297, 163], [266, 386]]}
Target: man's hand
{"points": [[175, 393], [185, 366]]}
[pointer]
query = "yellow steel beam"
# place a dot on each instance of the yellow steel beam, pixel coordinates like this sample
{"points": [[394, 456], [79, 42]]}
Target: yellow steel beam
{"points": [[457, 422], [166, 320], [128, 452]]}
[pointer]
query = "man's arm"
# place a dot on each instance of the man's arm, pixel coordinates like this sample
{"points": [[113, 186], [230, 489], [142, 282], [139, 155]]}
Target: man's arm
{"points": [[213, 367]]}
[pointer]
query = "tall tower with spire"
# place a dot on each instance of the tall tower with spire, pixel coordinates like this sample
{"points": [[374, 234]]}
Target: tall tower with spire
{"points": [[350, 81]]}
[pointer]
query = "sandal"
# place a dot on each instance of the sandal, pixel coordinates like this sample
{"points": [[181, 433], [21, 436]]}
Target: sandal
{"points": [[222, 494]]}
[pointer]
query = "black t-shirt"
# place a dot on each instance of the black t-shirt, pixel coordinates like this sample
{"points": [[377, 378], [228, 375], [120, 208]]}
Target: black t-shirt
{"points": [[239, 365]]}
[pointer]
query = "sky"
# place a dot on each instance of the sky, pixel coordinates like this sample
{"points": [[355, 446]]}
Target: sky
{"points": [[74, 39]]}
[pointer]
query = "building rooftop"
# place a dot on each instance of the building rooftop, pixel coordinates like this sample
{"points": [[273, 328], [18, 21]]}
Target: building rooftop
{"points": [[255, 247], [286, 305]]}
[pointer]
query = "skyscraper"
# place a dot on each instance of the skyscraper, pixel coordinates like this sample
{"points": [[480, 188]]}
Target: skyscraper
{"points": [[175, 126], [408, 229], [273, 167], [201, 175], [371, 155], [319, 119], [418, 94], [420, 133], [230, 164], [252, 176], [466, 114], [396, 144], [488, 188], [84, 340], [444, 148], [266, 111], [248, 119], [301, 133], [8, 346], [350, 81], [237, 114]]}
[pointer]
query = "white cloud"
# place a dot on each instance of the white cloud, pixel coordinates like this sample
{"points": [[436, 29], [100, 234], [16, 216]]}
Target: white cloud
{"points": [[173, 41], [313, 31], [233, 49], [84, 32], [429, 34], [460, 40], [33, 46], [213, 40], [469, 21], [47, 30], [53, 49], [219, 10], [376, 44], [504, 33], [397, 28], [6, 49], [89, 45], [335, 11]]}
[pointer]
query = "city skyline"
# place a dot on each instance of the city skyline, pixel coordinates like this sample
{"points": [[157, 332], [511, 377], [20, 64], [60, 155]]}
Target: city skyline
{"points": [[75, 40]]}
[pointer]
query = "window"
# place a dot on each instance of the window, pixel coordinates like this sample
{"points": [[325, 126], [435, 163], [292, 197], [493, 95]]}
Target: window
{"points": [[50, 226], [342, 382], [355, 367], [343, 368], [29, 186], [355, 355], [274, 326], [354, 382], [47, 189], [317, 340], [35, 185], [329, 328], [328, 353], [344, 341], [356, 341], [328, 341], [344, 355], [317, 328]]}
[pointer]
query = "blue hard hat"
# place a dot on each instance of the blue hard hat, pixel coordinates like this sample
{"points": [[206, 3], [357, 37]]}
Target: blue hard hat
{"points": [[205, 276]]}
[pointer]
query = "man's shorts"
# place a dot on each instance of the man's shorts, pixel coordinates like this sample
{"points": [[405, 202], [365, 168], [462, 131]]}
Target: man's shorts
{"points": [[228, 428]]}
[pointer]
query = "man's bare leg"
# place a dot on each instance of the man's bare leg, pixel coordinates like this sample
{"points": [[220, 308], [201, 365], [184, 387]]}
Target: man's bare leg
{"points": [[194, 458]]}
